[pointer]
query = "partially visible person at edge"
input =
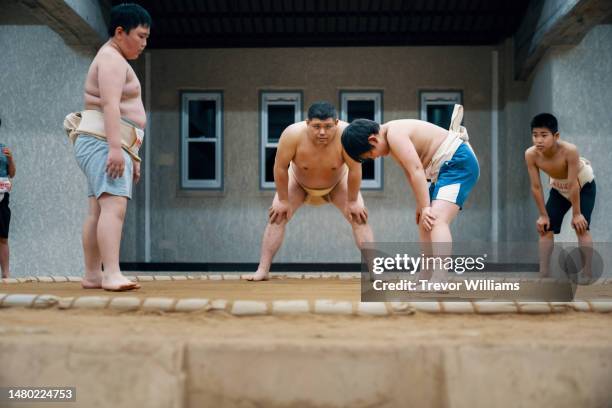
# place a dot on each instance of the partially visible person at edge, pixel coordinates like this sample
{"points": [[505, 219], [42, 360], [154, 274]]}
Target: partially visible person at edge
{"points": [[7, 172]]}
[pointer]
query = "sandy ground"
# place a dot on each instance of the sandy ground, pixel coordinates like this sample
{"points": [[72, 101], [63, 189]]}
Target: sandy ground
{"points": [[230, 290], [568, 328], [221, 356], [563, 328], [309, 289]]}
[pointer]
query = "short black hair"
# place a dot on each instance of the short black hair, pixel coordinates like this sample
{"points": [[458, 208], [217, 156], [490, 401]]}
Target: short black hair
{"points": [[545, 120], [128, 16], [355, 137], [322, 110]]}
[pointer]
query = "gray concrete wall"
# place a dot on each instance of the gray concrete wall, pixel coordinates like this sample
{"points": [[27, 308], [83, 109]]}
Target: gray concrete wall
{"points": [[514, 138], [200, 226], [41, 80], [582, 91], [521, 101]]}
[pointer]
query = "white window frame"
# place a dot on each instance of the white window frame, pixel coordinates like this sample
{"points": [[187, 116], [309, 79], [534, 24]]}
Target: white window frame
{"points": [[268, 98], [376, 96], [429, 98], [217, 183]]}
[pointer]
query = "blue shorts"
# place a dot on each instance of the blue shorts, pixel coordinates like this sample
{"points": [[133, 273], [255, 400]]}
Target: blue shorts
{"points": [[457, 177], [91, 156]]}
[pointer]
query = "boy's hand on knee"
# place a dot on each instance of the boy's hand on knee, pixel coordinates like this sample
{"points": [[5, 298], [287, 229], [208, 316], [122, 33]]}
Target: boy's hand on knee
{"points": [[579, 223], [356, 211], [543, 224], [426, 218]]}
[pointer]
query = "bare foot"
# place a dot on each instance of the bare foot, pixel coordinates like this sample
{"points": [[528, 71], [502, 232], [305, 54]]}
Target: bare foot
{"points": [[91, 282], [584, 278], [258, 276], [118, 283]]}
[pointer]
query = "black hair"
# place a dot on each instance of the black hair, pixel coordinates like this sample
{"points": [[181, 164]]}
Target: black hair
{"points": [[355, 137], [128, 16], [322, 110], [545, 120]]}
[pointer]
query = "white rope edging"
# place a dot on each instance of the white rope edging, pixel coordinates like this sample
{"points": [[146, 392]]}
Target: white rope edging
{"points": [[280, 307], [283, 307]]}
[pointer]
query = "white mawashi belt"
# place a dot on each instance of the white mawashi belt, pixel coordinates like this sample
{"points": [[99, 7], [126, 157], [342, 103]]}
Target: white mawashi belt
{"points": [[457, 135], [91, 122]]}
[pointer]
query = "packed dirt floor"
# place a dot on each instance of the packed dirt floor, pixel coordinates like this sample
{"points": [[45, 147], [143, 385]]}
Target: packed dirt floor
{"points": [[215, 359], [570, 328], [275, 289], [283, 288], [566, 327]]}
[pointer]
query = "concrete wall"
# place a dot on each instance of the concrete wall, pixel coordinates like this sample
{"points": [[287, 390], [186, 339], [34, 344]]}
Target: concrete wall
{"points": [[582, 91], [514, 137], [41, 80], [227, 226]]}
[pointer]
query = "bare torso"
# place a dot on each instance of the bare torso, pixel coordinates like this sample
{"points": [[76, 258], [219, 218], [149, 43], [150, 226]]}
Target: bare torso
{"points": [[426, 137], [318, 166], [555, 166], [130, 106]]}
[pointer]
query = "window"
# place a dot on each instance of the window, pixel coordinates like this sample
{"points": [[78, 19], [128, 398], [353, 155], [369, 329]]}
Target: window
{"points": [[201, 140], [437, 107], [277, 111], [364, 105]]}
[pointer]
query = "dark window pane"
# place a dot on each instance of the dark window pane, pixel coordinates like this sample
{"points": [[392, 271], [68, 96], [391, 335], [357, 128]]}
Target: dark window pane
{"points": [[202, 119], [270, 156], [279, 117], [360, 110], [201, 160], [367, 170], [440, 114]]}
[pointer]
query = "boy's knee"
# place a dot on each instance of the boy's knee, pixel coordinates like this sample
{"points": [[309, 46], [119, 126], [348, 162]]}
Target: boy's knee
{"points": [[547, 236], [116, 212], [361, 244], [277, 223], [441, 222], [93, 216], [355, 224], [363, 236], [583, 234]]}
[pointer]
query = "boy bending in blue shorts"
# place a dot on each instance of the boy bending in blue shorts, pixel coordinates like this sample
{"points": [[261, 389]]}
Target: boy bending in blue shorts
{"points": [[425, 152]]}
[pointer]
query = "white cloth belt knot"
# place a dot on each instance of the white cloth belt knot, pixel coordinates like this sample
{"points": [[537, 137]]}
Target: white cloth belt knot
{"points": [[457, 135]]}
